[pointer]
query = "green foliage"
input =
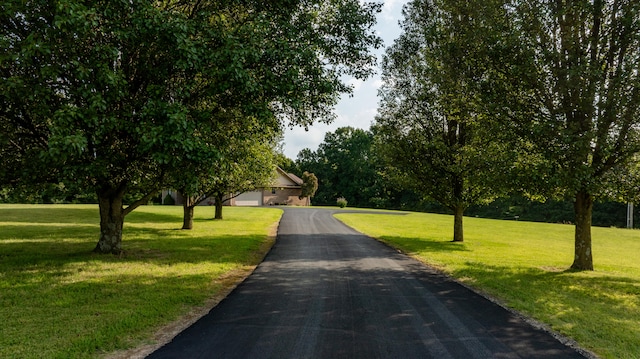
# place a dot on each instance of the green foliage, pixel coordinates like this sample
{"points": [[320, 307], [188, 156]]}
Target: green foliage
{"points": [[537, 97], [341, 202], [587, 135], [581, 115], [346, 166], [309, 185], [242, 161], [605, 214], [113, 93], [430, 129], [46, 193]]}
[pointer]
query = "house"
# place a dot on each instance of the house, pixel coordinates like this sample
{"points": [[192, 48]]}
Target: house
{"points": [[285, 190]]}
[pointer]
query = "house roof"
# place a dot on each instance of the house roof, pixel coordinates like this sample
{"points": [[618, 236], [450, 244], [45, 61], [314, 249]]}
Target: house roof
{"points": [[288, 180], [295, 178]]}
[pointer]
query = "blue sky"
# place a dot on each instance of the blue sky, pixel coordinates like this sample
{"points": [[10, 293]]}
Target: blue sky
{"points": [[357, 111]]}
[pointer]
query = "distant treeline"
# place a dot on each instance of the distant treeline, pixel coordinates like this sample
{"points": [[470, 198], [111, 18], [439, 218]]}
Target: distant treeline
{"points": [[605, 214], [347, 166]]}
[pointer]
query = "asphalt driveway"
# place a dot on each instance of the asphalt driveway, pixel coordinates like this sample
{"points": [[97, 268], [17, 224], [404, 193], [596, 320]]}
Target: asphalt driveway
{"points": [[327, 291]]}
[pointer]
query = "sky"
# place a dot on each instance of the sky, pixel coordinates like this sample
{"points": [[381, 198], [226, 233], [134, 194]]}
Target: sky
{"points": [[360, 109]]}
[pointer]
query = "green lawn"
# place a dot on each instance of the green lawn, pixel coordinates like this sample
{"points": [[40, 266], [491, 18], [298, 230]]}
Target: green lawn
{"points": [[59, 300], [524, 265]]}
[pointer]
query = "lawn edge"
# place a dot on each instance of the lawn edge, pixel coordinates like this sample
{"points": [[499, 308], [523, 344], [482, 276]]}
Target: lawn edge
{"points": [[229, 281]]}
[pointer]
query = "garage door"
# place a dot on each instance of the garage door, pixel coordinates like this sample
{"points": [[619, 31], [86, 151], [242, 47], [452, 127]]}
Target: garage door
{"points": [[249, 199]]}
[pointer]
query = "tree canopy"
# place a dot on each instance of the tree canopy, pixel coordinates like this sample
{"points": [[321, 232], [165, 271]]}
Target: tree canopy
{"points": [[309, 185], [243, 159], [577, 104], [553, 84], [430, 129], [110, 93]]}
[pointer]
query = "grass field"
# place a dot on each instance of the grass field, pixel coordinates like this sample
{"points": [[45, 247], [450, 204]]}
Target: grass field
{"points": [[59, 300], [524, 265]]}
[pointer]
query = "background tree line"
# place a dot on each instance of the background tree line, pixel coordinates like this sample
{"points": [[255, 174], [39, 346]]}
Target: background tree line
{"points": [[349, 166], [346, 165]]}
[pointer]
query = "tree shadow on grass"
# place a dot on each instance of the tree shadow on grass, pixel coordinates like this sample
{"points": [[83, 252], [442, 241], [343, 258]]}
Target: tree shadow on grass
{"points": [[91, 315], [47, 266], [596, 309], [47, 281], [45, 214], [415, 245], [87, 215], [44, 254], [40, 247], [140, 216]]}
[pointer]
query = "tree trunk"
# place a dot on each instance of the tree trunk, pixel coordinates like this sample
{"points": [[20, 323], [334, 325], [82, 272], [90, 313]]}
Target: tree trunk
{"points": [[187, 218], [218, 204], [458, 230], [583, 207], [111, 220]]}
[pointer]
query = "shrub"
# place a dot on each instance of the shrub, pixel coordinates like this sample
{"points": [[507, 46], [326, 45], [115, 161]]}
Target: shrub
{"points": [[342, 202]]}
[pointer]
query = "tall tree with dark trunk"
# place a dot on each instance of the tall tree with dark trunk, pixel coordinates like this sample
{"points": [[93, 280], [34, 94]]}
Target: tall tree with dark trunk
{"points": [[578, 75], [429, 125], [103, 92], [107, 102]]}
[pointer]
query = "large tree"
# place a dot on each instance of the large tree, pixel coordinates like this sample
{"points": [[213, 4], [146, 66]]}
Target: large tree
{"points": [[108, 93], [577, 106], [106, 113], [430, 129]]}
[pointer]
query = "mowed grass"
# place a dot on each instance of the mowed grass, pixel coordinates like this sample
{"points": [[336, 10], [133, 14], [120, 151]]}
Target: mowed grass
{"points": [[59, 300], [524, 265]]}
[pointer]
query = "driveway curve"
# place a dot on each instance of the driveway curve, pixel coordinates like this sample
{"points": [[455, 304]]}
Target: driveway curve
{"points": [[327, 291]]}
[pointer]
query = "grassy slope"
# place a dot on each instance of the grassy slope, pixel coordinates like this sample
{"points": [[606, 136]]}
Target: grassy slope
{"points": [[58, 300], [524, 265]]}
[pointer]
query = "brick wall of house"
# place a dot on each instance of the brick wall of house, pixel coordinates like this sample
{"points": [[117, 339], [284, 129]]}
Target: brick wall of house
{"points": [[283, 196]]}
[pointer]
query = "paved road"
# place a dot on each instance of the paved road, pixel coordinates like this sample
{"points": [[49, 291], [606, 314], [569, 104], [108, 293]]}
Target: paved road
{"points": [[326, 291]]}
